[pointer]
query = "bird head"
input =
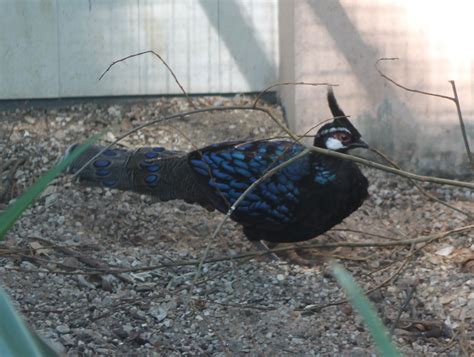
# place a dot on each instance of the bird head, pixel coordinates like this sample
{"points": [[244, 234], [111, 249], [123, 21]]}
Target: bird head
{"points": [[338, 135]]}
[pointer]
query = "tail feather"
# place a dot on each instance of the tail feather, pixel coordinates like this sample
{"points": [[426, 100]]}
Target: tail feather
{"points": [[164, 174], [109, 169]]}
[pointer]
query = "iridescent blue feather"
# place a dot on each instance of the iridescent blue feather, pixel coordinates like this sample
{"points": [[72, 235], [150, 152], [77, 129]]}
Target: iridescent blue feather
{"points": [[229, 169]]}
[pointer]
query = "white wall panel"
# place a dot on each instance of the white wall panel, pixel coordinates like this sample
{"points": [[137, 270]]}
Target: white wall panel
{"points": [[212, 45], [91, 36], [28, 49]]}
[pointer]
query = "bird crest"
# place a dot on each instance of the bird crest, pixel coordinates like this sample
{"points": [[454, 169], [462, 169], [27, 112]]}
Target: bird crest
{"points": [[340, 134]]}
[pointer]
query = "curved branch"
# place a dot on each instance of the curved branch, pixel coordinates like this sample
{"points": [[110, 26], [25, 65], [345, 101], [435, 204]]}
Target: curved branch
{"points": [[455, 99], [313, 84], [402, 86], [162, 61], [295, 138]]}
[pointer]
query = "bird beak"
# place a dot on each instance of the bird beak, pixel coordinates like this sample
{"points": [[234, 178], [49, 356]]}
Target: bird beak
{"points": [[359, 144]]}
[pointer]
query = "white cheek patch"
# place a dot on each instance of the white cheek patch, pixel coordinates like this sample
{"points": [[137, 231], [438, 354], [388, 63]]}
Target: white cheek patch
{"points": [[334, 144]]}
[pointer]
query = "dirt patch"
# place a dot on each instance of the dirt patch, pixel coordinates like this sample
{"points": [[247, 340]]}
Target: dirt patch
{"points": [[254, 307]]}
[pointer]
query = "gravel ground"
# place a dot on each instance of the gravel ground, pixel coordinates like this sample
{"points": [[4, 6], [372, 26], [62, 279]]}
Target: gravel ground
{"points": [[252, 307]]}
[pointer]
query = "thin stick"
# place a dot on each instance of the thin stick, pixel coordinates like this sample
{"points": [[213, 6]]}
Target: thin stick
{"points": [[162, 61], [402, 86], [350, 230], [150, 123], [402, 308], [316, 308], [423, 239], [461, 124], [454, 99], [243, 195], [319, 124], [313, 84], [429, 240], [393, 170], [294, 137], [234, 206], [378, 286], [423, 191]]}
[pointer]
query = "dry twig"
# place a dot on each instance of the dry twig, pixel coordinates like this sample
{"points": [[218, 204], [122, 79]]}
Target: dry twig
{"points": [[423, 191], [312, 84], [247, 256], [162, 61], [454, 99], [332, 153], [408, 298]]}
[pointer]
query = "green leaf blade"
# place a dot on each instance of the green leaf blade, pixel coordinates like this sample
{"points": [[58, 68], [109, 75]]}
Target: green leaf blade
{"points": [[363, 306], [15, 338], [16, 209]]}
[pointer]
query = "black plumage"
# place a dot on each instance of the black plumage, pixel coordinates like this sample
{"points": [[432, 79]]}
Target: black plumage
{"points": [[299, 202]]}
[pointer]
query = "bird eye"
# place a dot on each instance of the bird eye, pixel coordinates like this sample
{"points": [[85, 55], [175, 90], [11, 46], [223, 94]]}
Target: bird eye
{"points": [[343, 137]]}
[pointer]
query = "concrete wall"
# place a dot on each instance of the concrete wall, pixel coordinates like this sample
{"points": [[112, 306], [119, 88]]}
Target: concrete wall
{"points": [[59, 48], [339, 41]]}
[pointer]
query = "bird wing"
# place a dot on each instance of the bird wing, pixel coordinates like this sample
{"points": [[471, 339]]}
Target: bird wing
{"points": [[228, 169]]}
